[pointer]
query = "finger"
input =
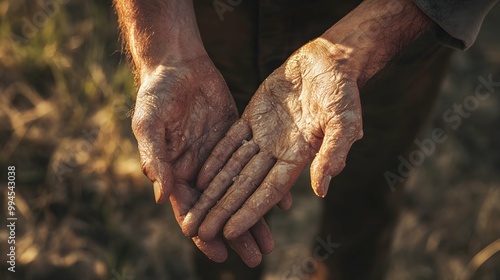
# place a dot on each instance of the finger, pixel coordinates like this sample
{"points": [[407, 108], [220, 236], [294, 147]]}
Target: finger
{"points": [[272, 190], [286, 202], [163, 185], [330, 160], [262, 234], [182, 199], [159, 172], [247, 248], [214, 249], [218, 187], [249, 179], [222, 152], [153, 151]]}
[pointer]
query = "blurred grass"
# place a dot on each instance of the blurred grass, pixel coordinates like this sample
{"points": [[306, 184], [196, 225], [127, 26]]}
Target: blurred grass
{"points": [[86, 211], [81, 197]]}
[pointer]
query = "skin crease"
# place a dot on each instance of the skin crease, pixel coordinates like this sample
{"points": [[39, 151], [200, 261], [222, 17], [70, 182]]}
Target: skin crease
{"points": [[306, 110], [308, 100], [174, 138], [183, 108]]}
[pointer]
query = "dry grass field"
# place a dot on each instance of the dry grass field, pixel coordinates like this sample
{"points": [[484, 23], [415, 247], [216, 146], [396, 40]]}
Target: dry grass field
{"points": [[85, 211]]}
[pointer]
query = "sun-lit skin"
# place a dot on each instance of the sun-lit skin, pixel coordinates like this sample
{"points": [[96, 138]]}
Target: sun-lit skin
{"points": [[307, 111], [183, 108], [307, 101]]}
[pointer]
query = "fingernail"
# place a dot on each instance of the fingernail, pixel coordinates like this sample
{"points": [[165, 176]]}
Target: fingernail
{"points": [[158, 192], [323, 188], [187, 225], [188, 219]]}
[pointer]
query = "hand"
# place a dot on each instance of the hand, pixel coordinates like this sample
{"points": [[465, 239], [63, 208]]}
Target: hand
{"points": [[181, 112], [307, 108]]}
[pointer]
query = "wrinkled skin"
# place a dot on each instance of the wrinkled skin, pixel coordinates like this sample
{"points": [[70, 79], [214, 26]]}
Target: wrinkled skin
{"points": [[307, 109], [180, 115]]}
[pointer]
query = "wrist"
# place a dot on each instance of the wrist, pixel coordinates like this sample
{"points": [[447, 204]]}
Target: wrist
{"points": [[179, 66], [374, 32], [159, 33], [176, 51]]}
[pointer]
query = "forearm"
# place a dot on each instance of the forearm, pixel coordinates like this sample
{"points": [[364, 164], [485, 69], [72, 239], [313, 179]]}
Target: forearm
{"points": [[158, 32], [375, 31]]}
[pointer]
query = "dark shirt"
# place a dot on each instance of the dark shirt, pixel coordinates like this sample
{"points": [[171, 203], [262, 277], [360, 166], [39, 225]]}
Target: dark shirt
{"points": [[459, 20]]}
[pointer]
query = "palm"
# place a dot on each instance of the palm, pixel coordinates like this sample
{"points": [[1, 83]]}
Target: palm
{"points": [[308, 108], [295, 106]]}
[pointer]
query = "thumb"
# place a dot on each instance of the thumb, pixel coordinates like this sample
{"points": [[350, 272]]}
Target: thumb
{"points": [[162, 179], [158, 171], [153, 152], [330, 160]]}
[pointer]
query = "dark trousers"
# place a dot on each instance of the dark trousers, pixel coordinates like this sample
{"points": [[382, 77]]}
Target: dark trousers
{"points": [[250, 40]]}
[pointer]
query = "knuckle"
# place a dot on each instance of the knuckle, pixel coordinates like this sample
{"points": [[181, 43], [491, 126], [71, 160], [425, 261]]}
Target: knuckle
{"points": [[146, 116], [357, 130], [143, 126], [243, 155], [247, 180], [234, 166], [145, 164], [360, 134], [144, 167], [219, 156], [342, 164], [139, 123], [278, 189], [229, 141]]}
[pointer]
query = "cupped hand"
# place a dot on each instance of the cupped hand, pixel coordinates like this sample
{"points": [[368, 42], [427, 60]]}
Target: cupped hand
{"points": [[308, 108], [182, 111]]}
